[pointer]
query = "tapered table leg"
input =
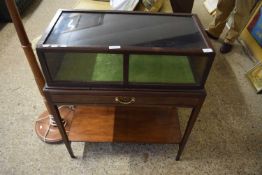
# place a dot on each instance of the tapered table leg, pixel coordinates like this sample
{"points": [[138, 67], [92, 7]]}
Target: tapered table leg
{"points": [[189, 127], [58, 120]]}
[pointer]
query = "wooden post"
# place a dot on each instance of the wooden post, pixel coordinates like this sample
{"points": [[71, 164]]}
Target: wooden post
{"points": [[26, 45], [38, 76]]}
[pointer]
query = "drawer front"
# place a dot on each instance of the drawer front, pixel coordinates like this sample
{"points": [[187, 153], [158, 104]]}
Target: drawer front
{"points": [[121, 99]]}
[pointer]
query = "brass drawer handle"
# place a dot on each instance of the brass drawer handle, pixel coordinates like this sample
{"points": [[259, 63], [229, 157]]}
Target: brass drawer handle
{"points": [[125, 100]]}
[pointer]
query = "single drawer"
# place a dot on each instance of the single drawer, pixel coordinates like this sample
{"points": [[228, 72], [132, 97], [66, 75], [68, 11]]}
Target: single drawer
{"points": [[131, 99]]}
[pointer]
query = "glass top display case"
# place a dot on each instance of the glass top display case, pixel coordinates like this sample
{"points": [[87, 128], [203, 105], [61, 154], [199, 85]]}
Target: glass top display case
{"points": [[94, 49]]}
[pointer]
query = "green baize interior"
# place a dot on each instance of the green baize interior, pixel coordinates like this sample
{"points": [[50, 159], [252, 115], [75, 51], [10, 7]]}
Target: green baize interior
{"points": [[91, 67]]}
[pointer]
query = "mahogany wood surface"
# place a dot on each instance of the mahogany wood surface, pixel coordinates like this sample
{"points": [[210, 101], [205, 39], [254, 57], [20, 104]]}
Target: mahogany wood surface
{"points": [[125, 124], [142, 97]]}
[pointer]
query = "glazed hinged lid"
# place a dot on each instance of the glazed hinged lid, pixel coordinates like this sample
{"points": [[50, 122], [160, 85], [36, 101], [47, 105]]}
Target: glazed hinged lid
{"points": [[126, 30]]}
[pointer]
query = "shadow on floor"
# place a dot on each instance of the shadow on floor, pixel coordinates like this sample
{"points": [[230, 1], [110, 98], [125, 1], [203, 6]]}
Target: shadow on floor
{"points": [[2, 25], [103, 150]]}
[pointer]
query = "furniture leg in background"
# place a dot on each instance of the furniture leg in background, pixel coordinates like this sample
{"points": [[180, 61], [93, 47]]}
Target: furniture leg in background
{"points": [[182, 6], [189, 127]]}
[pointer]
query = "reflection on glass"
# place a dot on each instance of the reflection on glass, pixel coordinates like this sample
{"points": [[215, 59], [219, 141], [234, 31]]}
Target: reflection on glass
{"points": [[85, 67], [105, 29]]}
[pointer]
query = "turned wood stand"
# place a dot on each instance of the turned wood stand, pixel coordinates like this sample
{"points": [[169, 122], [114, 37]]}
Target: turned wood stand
{"points": [[140, 116]]}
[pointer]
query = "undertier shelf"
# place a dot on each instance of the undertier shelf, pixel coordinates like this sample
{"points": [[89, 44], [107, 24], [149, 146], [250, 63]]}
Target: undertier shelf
{"points": [[125, 124]]}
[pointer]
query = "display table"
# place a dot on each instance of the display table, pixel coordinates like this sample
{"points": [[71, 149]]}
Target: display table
{"points": [[126, 74]]}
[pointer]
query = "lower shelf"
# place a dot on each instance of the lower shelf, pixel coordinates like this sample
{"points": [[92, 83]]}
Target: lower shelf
{"points": [[125, 124]]}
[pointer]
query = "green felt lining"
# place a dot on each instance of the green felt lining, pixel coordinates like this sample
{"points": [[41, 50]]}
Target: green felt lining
{"points": [[160, 69], [88, 67]]}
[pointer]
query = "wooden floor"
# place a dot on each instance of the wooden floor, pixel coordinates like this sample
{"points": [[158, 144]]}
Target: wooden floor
{"points": [[125, 124]]}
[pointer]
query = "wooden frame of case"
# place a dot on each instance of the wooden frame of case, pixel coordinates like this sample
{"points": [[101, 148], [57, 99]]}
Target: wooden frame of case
{"points": [[125, 51]]}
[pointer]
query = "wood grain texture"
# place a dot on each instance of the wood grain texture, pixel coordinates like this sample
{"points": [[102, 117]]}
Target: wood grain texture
{"points": [[125, 124]]}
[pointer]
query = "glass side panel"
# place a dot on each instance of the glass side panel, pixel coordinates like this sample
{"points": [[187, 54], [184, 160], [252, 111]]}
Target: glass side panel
{"points": [[85, 67], [160, 69], [108, 29]]}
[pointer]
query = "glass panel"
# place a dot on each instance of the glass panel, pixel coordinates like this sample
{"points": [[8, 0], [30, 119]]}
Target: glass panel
{"points": [[105, 29], [163, 69], [85, 67]]}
